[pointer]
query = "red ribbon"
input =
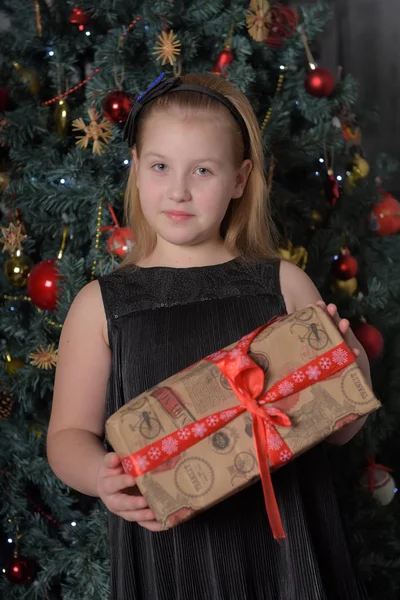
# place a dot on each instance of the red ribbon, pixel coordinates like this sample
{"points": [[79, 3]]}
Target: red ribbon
{"points": [[114, 218], [246, 379], [372, 465]]}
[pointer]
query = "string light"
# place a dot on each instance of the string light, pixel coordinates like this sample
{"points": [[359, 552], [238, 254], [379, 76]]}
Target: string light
{"points": [[73, 523], [339, 178], [126, 162], [97, 238], [321, 160], [279, 86]]}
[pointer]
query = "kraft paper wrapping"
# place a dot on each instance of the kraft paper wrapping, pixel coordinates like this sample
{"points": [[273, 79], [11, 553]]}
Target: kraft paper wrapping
{"points": [[225, 462]]}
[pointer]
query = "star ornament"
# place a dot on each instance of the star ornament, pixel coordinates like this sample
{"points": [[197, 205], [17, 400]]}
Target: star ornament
{"points": [[100, 133], [258, 19], [44, 358], [167, 48], [12, 238]]}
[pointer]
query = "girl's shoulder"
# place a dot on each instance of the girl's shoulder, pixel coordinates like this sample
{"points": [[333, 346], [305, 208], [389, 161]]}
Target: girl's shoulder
{"points": [[297, 288], [88, 309]]}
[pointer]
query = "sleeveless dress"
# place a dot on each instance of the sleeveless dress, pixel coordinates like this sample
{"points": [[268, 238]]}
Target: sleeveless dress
{"points": [[161, 320]]}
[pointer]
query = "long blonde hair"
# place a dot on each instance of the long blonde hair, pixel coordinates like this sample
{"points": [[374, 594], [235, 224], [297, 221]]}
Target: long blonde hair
{"points": [[247, 229]]}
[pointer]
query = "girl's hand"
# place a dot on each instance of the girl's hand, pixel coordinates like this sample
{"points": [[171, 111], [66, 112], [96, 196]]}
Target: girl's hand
{"points": [[120, 494], [342, 324]]}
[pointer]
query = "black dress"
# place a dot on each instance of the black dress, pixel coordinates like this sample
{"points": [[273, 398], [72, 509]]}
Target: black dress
{"points": [[160, 321]]}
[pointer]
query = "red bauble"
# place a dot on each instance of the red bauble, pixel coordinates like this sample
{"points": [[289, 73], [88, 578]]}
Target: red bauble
{"points": [[370, 338], [120, 242], [42, 284], [385, 216], [222, 62], [284, 21], [20, 570], [5, 100], [346, 266], [79, 17], [320, 83], [332, 191], [117, 106]]}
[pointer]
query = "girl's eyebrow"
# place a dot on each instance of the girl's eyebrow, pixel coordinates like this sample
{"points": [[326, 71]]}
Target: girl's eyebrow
{"points": [[196, 160]]}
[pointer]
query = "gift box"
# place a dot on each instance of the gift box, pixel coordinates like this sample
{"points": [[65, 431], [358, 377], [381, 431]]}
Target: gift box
{"points": [[216, 427]]}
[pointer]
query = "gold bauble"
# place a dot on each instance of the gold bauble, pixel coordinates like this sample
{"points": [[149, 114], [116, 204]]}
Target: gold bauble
{"points": [[297, 255], [316, 219], [346, 288], [17, 269], [61, 117], [4, 180], [29, 78], [359, 169], [13, 364]]}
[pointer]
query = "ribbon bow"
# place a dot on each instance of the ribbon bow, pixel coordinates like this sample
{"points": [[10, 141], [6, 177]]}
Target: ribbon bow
{"points": [[246, 379], [157, 88]]}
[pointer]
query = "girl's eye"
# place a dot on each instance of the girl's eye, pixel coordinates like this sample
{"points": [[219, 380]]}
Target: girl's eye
{"points": [[203, 171], [160, 167]]}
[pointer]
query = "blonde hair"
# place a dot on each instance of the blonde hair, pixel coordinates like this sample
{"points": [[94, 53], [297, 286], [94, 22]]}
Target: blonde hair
{"points": [[247, 228]]}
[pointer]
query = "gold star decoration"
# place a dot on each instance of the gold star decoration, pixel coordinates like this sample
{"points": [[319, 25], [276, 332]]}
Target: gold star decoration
{"points": [[12, 238], [297, 255], [100, 132], [167, 48], [44, 358], [258, 19]]}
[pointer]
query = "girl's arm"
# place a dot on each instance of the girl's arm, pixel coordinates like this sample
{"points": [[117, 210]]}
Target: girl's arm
{"points": [[75, 448], [298, 292]]}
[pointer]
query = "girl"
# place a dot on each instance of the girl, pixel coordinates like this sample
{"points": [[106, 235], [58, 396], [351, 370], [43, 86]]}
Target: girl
{"points": [[203, 273]]}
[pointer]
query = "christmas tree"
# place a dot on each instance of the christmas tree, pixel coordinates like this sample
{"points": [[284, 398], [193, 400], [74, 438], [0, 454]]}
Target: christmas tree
{"points": [[67, 78]]}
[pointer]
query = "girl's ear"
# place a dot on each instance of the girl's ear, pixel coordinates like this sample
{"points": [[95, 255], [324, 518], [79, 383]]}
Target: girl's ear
{"points": [[242, 176]]}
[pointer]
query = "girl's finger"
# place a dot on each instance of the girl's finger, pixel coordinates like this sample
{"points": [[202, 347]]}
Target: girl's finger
{"points": [[140, 516], [111, 485], [112, 460], [121, 502], [150, 525], [356, 352]]}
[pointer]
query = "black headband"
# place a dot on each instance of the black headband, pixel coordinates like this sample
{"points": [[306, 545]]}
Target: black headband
{"points": [[173, 84]]}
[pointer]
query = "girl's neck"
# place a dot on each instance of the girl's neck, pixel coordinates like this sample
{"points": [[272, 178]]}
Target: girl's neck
{"points": [[186, 257]]}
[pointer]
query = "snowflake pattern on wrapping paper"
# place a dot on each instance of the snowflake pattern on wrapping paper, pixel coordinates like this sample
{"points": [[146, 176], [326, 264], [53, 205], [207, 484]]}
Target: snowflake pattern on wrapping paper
{"points": [[235, 353], [217, 355], [199, 430], [212, 420], [142, 462], [284, 456], [184, 434], [271, 396], [227, 415], [313, 373], [340, 357], [274, 441], [298, 376], [286, 388], [325, 363], [154, 453], [169, 445], [243, 361], [127, 465]]}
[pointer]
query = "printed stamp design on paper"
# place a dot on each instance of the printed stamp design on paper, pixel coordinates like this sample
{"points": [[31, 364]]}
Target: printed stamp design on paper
{"points": [[352, 384], [245, 462], [224, 440], [194, 477], [140, 416]]}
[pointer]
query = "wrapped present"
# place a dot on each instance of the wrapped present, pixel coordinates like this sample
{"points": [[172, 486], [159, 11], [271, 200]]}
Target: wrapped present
{"points": [[221, 424]]}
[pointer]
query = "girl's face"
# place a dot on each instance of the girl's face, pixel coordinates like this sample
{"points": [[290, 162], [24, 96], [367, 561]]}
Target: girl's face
{"points": [[186, 176]]}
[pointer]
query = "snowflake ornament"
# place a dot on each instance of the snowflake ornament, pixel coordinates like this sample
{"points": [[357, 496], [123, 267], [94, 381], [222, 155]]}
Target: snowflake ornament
{"points": [[286, 388], [142, 462], [212, 420], [44, 358], [154, 453], [199, 430], [298, 376], [94, 131], [169, 445], [284, 456], [340, 357], [325, 363], [313, 373], [12, 238], [258, 19], [167, 48], [184, 434], [274, 442]]}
